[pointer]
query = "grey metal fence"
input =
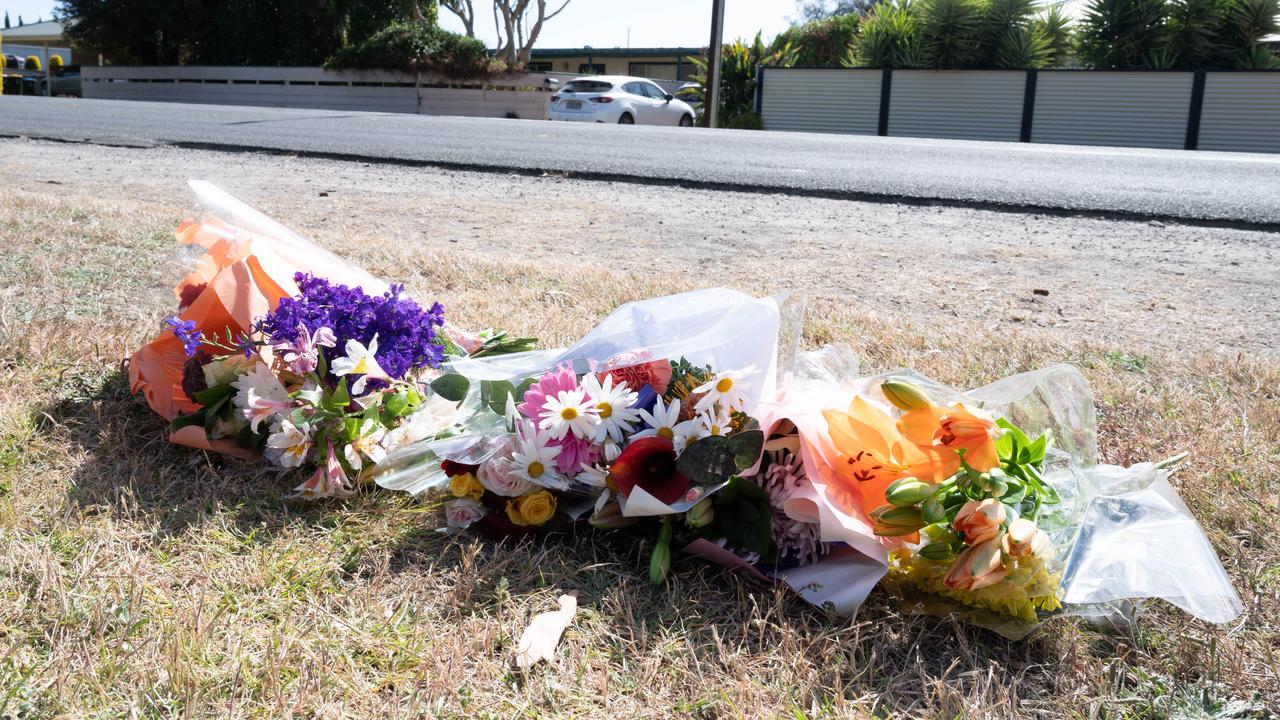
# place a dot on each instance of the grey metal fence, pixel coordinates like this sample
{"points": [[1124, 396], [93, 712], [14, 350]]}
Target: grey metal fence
{"points": [[1209, 110]]}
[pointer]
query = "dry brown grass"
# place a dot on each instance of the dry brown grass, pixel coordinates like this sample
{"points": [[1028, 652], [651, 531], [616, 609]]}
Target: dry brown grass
{"points": [[142, 580]]}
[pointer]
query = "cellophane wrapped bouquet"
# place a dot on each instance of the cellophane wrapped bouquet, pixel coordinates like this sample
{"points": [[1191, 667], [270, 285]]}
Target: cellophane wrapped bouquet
{"points": [[690, 422], [264, 358], [993, 508]]}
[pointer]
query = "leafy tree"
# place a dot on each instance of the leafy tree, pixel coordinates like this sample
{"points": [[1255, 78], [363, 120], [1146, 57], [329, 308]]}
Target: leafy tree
{"points": [[825, 42], [810, 10], [1005, 33], [517, 22], [6, 19]]}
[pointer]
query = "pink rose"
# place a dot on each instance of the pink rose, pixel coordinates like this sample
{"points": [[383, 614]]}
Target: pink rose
{"points": [[498, 477], [461, 513]]}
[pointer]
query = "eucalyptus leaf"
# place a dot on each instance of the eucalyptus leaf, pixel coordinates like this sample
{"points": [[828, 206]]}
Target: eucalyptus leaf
{"points": [[452, 387], [746, 447]]}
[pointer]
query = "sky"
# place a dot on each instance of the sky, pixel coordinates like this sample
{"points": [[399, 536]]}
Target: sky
{"points": [[598, 23], [28, 9], [652, 23]]}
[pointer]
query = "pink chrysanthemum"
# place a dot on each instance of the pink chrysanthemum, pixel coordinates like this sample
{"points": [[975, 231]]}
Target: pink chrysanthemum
{"points": [[549, 385], [782, 478], [574, 453]]}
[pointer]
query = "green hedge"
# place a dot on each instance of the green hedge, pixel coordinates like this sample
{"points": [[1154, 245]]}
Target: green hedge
{"points": [[411, 47]]}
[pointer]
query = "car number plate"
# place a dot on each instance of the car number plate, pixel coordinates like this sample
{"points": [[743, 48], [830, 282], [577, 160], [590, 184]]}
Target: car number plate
{"points": [[574, 104]]}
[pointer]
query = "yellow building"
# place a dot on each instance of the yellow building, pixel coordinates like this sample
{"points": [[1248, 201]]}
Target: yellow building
{"points": [[654, 63]]}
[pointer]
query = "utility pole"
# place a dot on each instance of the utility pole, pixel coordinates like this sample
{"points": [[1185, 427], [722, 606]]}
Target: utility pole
{"points": [[711, 103]]}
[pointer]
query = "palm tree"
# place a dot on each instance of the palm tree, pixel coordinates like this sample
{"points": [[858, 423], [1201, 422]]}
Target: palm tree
{"points": [[949, 33], [1123, 33], [1055, 26], [890, 37]]}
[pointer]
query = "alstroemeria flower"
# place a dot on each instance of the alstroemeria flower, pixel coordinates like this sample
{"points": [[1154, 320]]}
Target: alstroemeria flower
{"points": [[360, 360], [649, 463], [260, 395], [949, 429], [366, 445], [1024, 539], [289, 444], [328, 480], [303, 353], [977, 567]]}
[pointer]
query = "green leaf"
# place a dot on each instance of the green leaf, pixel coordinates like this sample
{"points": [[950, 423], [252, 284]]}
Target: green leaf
{"points": [[746, 447], [339, 399], [195, 418], [214, 394], [494, 393], [708, 461], [452, 387], [396, 405]]}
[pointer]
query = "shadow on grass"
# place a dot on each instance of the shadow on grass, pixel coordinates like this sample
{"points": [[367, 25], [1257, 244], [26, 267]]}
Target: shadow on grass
{"points": [[714, 617], [131, 470]]}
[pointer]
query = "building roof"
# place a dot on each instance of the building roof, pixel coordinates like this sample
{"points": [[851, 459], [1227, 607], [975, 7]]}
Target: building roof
{"points": [[47, 31], [547, 53]]}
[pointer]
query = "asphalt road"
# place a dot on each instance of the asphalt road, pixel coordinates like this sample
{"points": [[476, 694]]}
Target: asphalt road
{"points": [[1197, 186]]}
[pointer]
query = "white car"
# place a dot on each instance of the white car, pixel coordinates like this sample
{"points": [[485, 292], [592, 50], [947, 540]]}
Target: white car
{"points": [[618, 99]]}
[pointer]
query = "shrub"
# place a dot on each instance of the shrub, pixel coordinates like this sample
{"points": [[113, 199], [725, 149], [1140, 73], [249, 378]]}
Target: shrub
{"points": [[891, 36], [825, 42], [745, 121], [33, 62], [55, 62], [413, 47]]}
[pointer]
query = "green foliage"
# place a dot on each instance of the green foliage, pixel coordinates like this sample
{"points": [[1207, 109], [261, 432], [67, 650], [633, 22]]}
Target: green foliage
{"points": [[33, 62], [738, 64], [891, 36], [743, 517], [1123, 33], [821, 43], [228, 32], [1023, 47], [1000, 34], [1054, 26], [55, 62], [949, 33], [413, 47]]}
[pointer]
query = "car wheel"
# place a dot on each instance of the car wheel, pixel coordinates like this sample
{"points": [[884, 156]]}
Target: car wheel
{"points": [[626, 119], [686, 121]]}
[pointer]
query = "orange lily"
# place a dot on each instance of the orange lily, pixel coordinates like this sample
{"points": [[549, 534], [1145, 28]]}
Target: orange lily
{"points": [[945, 430], [873, 452]]}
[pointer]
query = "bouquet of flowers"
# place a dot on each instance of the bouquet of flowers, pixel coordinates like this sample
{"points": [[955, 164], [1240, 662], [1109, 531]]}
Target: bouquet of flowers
{"points": [[992, 505], [265, 358]]}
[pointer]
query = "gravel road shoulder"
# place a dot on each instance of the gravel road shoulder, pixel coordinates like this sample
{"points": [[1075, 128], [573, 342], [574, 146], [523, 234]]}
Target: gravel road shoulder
{"points": [[1136, 285]]}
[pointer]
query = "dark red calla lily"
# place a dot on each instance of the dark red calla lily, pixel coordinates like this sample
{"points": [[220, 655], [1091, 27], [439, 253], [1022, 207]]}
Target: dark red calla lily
{"points": [[649, 463]]}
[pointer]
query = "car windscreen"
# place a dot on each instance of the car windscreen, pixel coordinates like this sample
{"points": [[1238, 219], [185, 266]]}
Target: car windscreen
{"points": [[586, 86]]}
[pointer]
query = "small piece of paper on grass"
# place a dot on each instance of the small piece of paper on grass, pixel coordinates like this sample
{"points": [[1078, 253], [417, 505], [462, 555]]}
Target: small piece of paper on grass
{"points": [[539, 640]]}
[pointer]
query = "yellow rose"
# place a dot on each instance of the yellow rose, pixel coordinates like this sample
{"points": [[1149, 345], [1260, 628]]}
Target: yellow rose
{"points": [[466, 486], [532, 509]]}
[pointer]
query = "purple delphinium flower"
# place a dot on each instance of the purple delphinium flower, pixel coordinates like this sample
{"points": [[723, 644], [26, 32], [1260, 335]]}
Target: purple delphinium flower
{"points": [[407, 337], [185, 330]]}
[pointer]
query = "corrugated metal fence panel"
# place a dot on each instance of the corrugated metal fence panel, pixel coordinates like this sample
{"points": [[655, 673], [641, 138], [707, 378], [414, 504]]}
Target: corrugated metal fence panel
{"points": [[1134, 109], [831, 100], [1241, 112], [961, 104]]}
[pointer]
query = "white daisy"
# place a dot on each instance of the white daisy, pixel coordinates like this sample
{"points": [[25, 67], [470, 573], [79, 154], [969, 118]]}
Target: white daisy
{"points": [[708, 424], [664, 422], [288, 445], [613, 404], [728, 389], [533, 459], [359, 360], [570, 411], [366, 445]]}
